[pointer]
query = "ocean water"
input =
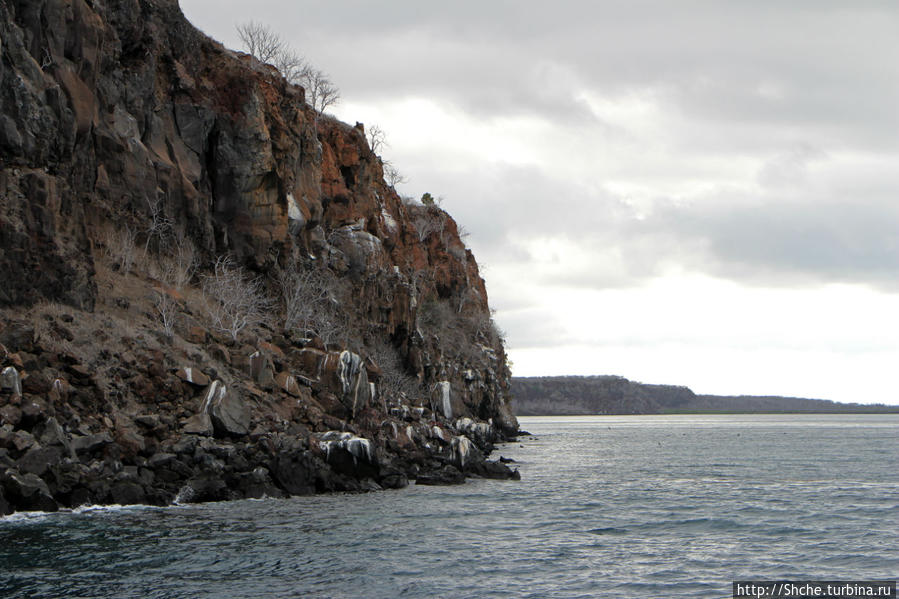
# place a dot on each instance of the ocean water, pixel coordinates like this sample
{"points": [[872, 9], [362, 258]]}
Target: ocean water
{"points": [[617, 506]]}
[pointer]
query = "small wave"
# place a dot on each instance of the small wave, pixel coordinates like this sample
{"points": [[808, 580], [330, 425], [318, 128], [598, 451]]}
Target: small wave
{"points": [[115, 507], [25, 517]]}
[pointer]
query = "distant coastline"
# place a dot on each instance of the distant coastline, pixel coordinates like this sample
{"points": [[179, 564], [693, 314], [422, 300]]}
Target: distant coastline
{"points": [[590, 395]]}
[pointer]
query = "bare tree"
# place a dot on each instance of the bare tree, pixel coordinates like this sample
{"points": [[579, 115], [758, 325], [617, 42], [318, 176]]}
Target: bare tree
{"points": [[291, 65], [320, 92], [392, 175], [267, 46], [233, 300], [261, 41], [377, 139]]}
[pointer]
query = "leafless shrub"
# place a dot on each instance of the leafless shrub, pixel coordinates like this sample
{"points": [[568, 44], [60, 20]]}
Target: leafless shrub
{"points": [[160, 226], [179, 264], [436, 316], [395, 383], [234, 301], [305, 296], [426, 221], [166, 310], [121, 248]]}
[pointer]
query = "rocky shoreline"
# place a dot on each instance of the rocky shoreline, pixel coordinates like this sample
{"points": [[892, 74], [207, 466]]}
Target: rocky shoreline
{"points": [[51, 457]]}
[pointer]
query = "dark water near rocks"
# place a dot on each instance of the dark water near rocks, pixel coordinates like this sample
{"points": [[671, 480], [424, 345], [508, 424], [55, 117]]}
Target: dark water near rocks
{"points": [[672, 506]]}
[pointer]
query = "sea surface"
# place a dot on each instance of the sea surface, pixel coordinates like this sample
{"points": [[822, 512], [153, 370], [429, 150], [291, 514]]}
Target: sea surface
{"points": [[614, 506]]}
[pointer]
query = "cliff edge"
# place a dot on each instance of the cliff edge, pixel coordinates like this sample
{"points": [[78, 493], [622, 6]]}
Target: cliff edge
{"points": [[209, 291]]}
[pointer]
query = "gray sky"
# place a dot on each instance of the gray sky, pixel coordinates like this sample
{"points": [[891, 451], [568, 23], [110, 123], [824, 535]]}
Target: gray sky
{"points": [[695, 192]]}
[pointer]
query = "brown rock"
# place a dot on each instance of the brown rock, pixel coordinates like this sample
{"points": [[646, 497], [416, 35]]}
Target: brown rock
{"points": [[10, 414], [198, 424], [261, 370], [79, 371], [272, 350], [287, 382], [38, 383], [194, 376], [219, 353], [126, 435], [196, 335], [59, 390]]}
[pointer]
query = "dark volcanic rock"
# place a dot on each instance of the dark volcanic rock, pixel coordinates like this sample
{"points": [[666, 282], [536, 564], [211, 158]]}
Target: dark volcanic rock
{"points": [[88, 444], [37, 459], [448, 475], [5, 507], [495, 470], [295, 472], [256, 484], [127, 493], [395, 481], [226, 409], [27, 492], [205, 487]]}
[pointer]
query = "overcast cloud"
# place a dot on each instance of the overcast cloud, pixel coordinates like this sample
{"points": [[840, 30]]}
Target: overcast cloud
{"points": [[611, 159]]}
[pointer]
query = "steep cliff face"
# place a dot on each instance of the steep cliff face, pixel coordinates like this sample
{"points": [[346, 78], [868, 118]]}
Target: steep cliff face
{"points": [[134, 152]]}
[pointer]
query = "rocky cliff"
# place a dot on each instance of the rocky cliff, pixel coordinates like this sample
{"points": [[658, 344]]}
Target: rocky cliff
{"points": [[209, 291]]}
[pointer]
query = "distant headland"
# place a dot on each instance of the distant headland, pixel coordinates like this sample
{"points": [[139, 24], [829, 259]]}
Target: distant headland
{"points": [[585, 395]]}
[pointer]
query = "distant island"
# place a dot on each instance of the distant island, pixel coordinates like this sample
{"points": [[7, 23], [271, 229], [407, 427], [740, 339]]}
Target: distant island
{"points": [[585, 395]]}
